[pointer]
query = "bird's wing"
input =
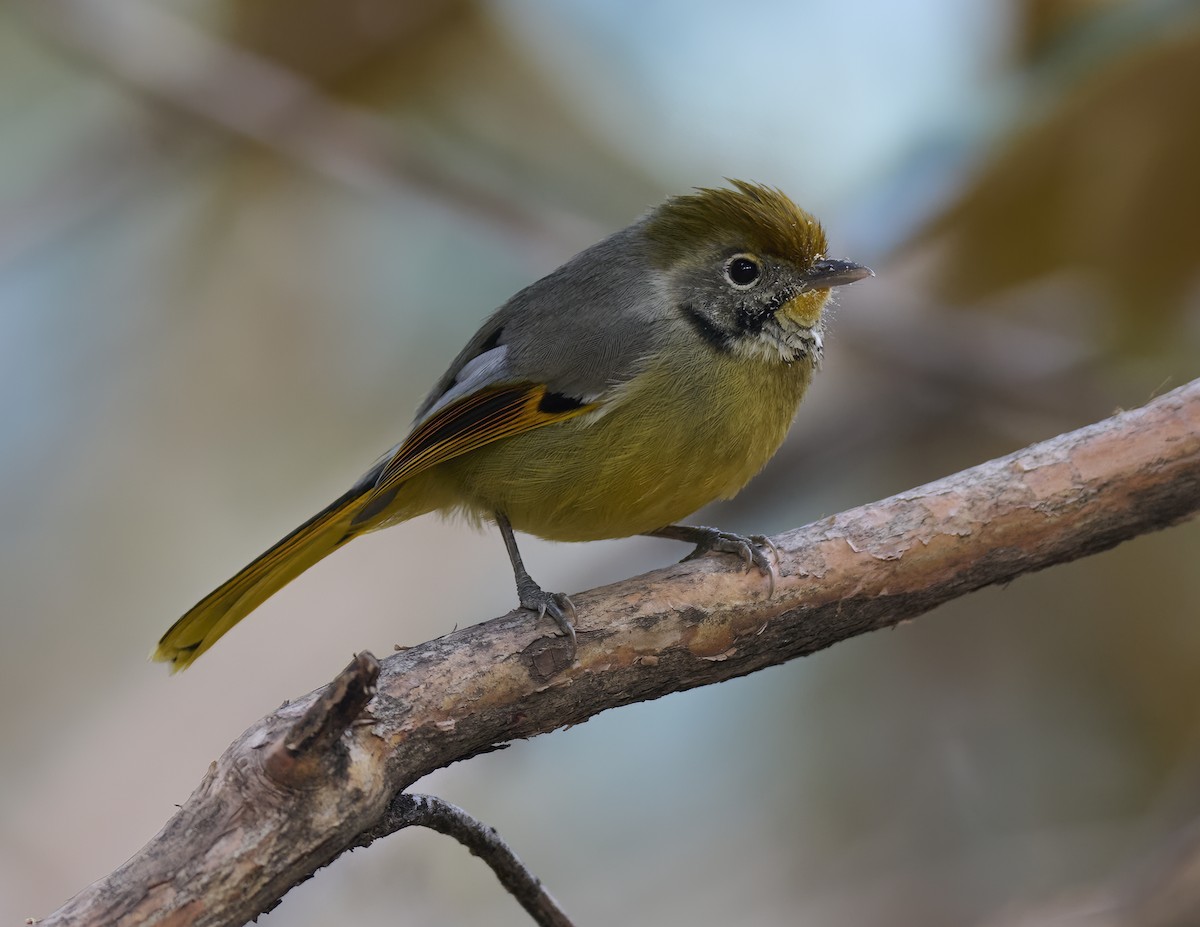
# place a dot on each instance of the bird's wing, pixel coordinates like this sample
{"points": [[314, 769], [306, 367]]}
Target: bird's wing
{"points": [[583, 330], [561, 347], [481, 406]]}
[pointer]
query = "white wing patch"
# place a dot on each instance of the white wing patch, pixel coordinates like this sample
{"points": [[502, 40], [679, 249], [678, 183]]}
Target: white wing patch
{"points": [[482, 370]]}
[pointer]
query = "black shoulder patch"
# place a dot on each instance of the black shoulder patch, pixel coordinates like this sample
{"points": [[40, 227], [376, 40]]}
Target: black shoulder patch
{"points": [[554, 403]]}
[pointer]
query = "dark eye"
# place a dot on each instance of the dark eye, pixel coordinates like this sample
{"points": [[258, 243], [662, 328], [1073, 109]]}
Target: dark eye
{"points": [[742, 271]]}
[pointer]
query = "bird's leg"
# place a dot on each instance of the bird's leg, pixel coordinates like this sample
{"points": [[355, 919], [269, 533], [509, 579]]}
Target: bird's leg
{"points": [[531, 595], [752, 548]]}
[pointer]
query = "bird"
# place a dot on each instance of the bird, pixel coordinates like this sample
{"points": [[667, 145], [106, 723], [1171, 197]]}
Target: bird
{"points": [[651, 374]]}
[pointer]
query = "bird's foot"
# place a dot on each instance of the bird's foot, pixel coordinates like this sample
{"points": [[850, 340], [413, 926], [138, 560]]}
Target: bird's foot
{"points": [[555, 604], [756, 550]]}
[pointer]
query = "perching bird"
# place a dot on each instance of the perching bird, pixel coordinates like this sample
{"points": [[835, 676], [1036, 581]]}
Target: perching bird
{"points": [[652, 373]]}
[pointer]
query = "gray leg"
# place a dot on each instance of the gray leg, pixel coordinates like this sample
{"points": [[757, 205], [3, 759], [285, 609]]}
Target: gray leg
{"points": [[751, 548], [531, 595]]}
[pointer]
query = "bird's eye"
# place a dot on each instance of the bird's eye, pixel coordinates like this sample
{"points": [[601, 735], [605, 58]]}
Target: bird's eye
{"points": [[742, 271]]}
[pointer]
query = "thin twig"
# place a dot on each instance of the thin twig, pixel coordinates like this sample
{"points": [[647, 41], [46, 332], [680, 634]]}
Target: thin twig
{"points": [[408, 810]]}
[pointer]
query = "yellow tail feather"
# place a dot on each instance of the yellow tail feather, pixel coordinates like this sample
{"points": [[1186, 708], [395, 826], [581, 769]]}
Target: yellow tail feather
{"points": [[224, 607]]}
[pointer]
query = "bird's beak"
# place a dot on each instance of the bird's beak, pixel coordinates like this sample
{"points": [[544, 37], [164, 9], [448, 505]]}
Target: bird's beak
{"points": [[830, 272]]}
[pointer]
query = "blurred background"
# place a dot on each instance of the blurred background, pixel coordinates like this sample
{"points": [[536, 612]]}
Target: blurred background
{"points": [[239, 239]]}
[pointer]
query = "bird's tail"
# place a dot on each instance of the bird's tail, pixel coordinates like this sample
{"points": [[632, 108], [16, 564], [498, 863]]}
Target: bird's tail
{"points": [[225, 606]]}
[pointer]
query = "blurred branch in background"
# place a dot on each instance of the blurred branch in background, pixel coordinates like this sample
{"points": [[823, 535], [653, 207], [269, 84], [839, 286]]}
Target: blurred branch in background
{"points": [[221, 85], [86, 181]]}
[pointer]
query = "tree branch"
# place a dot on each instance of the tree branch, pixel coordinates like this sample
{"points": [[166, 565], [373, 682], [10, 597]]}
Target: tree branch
{"points": [[251, 830]]}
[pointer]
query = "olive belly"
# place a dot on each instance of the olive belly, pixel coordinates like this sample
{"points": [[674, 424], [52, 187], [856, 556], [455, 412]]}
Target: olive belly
{"points": [[657, 454]]}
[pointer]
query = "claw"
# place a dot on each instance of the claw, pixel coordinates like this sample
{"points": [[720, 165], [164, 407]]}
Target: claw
{"points": [[554, 604], [763, 541], [753, 549]]}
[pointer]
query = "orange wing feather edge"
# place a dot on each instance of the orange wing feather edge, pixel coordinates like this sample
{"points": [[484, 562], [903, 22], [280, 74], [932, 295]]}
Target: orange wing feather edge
{"points": [[465, 425]]}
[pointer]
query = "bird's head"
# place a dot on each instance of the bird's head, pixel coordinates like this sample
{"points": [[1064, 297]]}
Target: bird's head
{"points": [[747, 268]]}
